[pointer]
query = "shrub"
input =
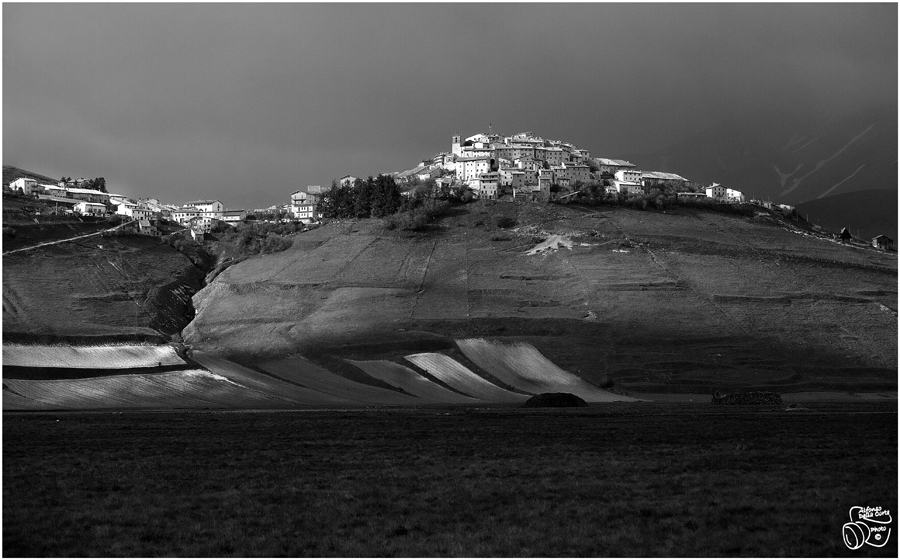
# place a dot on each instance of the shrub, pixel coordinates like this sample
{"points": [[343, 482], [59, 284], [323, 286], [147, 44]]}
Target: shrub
{"points": [[502, 221], [418, 215], [9, 231]]}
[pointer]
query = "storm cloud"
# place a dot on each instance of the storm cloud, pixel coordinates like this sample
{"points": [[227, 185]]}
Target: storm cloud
{"points": [[247, 103]]}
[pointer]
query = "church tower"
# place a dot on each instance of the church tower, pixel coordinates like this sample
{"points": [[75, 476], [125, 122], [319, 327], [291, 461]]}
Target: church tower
{"points": [[455, 147]]}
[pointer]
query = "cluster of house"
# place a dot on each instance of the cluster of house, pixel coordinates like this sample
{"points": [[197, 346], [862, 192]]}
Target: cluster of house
{"points": [[522, 167], [525, 167], [199, 216]]}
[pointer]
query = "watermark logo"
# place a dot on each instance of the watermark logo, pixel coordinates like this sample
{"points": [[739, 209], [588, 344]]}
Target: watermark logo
{"points": [[868, 525]]}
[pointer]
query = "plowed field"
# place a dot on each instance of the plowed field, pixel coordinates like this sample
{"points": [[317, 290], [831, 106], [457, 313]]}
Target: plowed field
{"points": [[90, 357], [462, 378], [308, 374], [411, 382], [523, 367]]}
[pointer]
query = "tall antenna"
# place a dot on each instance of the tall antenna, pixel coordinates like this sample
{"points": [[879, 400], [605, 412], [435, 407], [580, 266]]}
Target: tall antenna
{"points": [[490, 131]]}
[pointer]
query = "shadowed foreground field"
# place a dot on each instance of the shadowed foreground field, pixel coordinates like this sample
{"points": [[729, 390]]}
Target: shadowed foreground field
{"points": [[611, 480]]}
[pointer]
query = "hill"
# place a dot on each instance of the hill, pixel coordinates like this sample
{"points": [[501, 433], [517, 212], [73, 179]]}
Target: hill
{"points": [[96, 288], [677, 301], [11, 173], [786, 163], [867, 213]]}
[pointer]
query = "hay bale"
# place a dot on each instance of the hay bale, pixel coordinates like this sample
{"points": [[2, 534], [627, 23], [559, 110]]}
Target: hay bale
{"points": [[554, 400]]}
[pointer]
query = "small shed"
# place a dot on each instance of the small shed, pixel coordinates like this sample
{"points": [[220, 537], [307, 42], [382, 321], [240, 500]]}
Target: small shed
{"points": [[196, 234], [883, 242], [147, 228]]}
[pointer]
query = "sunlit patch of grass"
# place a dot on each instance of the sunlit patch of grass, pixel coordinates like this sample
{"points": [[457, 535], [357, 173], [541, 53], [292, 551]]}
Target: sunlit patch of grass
{"points": [[624, 480]]}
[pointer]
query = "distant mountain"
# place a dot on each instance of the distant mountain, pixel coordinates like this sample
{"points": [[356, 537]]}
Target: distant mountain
{"points": [[867, 213], [786, 161], [11, 173]]}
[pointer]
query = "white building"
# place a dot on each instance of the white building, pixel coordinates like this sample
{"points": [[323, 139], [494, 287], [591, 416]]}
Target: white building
{"points": [[627, 187], [184, 214], [656, 178], [25, 186], [716, 192], [304, 212], [208, 208], [573, 172], [470, 168], [234, 216], [610, 166], [90, 208], [134, 211], [87, 195], [734, 196]]}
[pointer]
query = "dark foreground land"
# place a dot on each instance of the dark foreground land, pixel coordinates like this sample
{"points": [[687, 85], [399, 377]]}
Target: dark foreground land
{"points": [[613, 480]]}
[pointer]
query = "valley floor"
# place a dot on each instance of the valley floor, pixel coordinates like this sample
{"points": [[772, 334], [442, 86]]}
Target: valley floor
{"points": [[617, 479]]}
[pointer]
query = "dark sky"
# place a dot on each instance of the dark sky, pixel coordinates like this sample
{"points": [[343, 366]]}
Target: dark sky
{"points": [[247, 103]]}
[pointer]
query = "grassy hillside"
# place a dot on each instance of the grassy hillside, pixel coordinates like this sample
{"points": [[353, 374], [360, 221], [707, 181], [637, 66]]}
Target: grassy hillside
{"points": [[11, 173], [867, 213], [97, 287], [681, 301]]}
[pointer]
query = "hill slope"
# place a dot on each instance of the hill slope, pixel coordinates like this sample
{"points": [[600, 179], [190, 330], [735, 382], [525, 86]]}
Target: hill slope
{"points": [[684, 301], [867, 213], [96, 288], [11, 173]]}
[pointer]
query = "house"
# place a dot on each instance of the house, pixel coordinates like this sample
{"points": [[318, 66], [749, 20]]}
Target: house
{"points": [[471, 168], [90, 209], [716, 192], [234, 216], [734, 196], [489, 185], [883, 242], [690, 195], [196, 235], [203, 223], [87, 195], [573, 172], [628, 175], [134, 211], [656, 178], [25, 185], [845, 235], [627, 187], [208, 208], [147, 228], [545, 178], [184, 214], [304, 212], [610, 166]]}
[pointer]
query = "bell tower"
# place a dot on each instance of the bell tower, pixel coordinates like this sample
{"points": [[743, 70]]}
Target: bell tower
{"points": [[455, 147]]}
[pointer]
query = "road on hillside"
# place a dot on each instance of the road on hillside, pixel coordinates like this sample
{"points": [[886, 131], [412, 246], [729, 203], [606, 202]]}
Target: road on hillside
{"points": [[67, 240]]}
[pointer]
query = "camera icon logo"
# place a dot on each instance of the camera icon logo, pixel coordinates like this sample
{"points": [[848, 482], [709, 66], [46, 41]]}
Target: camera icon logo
{"points": [[868, 525]]}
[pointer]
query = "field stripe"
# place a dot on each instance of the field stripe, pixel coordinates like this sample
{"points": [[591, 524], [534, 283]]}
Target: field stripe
{"points": [[91, 357], [522, 366], [183, 389], [462, 378], [267, 384], [308, 374], [411, 382]]}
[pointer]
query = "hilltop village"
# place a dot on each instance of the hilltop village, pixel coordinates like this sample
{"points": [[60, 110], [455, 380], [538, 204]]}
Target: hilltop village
{"points": [[522, 167]]}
